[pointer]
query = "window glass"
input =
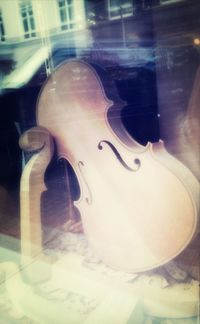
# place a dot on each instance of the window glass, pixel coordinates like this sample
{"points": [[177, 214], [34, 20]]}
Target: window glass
{"points": [[27, 18], [147, 55], [66, 14], [2, 30], [118, 8]]}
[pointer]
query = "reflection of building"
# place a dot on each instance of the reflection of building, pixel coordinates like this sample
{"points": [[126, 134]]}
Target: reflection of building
{"points": [[130, 19], [25, 19], [113, 28], [110, 27], [26, 24]]}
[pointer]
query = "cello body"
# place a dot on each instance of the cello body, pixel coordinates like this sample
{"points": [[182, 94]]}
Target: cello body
{"points": [[138, 204]]}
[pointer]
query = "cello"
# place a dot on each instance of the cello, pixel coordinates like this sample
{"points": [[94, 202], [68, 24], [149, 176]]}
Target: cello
{"points": [[138, 204]]}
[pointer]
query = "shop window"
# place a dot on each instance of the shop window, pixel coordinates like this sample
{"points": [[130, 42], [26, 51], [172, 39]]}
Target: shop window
{"points": [[66, 11], [28, 20], [2, 30], [120, 8]]}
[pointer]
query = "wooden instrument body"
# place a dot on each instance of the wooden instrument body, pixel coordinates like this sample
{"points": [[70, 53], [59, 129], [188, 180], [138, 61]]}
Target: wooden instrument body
{"points": [[138, 208]]}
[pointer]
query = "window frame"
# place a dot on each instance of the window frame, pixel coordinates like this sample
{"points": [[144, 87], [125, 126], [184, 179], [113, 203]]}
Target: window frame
{"points": [[27, 18], [123, 6], [66, 9]]}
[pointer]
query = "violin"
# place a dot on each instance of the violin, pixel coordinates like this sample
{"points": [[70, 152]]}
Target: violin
{"points": [[138, 204]]}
